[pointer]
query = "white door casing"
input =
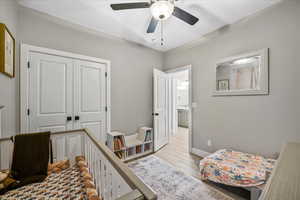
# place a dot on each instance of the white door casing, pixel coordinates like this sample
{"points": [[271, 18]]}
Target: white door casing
{"points": [[160, 109]]}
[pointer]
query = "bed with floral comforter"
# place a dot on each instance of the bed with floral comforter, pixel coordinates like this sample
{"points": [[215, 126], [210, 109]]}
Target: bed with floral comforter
{"points": [[236, 168]]}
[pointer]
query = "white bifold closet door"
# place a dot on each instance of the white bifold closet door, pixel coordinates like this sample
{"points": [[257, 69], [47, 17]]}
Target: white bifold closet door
{"points": [[66, 94], [50, 93], [90, 97]]}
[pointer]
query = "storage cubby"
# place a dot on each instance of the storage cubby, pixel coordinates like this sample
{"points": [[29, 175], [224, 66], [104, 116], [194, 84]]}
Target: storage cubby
{"points": [[116, 142], [127, 147]]}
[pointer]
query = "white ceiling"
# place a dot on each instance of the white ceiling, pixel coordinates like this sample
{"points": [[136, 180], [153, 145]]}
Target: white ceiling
{"points": [[132, 24]]}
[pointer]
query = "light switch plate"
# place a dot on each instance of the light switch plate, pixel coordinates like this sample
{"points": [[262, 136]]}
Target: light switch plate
{"points": [[209, 143]]}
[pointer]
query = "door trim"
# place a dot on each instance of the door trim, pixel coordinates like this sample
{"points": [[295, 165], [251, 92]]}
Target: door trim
{"points": [[190, 115], [24, 78]]}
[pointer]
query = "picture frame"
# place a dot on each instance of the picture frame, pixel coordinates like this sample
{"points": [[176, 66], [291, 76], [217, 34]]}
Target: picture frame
{"points": [[223, 85], [7, 51]]}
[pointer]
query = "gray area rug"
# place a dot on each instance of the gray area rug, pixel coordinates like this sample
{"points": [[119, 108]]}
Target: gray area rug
{"points": [[171, 184]]}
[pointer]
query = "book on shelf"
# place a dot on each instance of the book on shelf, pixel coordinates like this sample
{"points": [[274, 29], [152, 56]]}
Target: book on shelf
{"points": [[131, 151], [148, 137], [144, 134], [147, 147], [118, 143], [138, 149]]}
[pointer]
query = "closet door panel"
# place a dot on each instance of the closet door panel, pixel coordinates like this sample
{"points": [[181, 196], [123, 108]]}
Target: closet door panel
{"points": [[53, 83], [90, 97], [90, 79], [50, 92]]}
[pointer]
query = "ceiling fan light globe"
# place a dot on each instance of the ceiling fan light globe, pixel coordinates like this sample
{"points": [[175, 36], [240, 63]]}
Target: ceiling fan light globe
{"points": [[162, 9]]}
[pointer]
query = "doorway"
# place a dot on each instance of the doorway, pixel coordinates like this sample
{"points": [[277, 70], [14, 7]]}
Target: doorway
{"points": [[180, 107], [172, 107], [177, 151]]}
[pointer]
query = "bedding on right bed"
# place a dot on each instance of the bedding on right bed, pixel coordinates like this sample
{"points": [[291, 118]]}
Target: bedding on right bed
{"points": [[236, 168]]}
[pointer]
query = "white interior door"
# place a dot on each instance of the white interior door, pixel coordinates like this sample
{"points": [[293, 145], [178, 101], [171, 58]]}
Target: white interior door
{"points": [[50, 93], [160, 114], [90, 97]]}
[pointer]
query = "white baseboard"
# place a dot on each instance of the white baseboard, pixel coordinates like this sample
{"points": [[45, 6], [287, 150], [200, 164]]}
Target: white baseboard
{"points": [[200, 152]]}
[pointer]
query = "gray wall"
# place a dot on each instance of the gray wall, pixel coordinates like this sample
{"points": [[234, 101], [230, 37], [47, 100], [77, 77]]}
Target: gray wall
{"points": [[131, 65], [9, 90], [254, 123], [259, 124]]}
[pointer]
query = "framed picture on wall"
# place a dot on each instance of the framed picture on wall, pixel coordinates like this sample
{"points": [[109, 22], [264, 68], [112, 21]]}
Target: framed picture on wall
{"points": [[223, 85], [7, 51]]}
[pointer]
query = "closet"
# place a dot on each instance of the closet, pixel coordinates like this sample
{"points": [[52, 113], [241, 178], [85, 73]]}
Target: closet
{"points": [[65, 92]]}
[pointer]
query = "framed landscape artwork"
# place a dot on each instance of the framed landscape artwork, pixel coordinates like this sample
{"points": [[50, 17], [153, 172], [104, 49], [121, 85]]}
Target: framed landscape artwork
{"points": [[7, 51]]}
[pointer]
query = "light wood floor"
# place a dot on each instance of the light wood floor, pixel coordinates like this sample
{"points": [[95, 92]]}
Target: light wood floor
{"points": [[177, 154]]}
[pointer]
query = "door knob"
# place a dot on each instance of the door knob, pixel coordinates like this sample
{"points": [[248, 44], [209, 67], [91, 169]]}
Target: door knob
{"points": [[77, 118], [69, 118], [156, 114]]}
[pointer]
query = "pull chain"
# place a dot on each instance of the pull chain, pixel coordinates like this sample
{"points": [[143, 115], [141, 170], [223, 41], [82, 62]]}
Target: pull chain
{"points": [[161, 34]]}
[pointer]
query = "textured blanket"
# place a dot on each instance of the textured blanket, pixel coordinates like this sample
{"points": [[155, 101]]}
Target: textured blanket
{"points": [[235, 168], [66, 184]]}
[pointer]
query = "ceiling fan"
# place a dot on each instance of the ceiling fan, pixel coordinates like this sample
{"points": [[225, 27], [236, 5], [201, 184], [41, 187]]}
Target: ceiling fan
{"points": [[160, 10]]}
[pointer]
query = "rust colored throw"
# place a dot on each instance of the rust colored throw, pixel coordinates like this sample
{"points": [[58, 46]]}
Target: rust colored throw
{"points": [[58, 166], [30, 158], [89, 185]]}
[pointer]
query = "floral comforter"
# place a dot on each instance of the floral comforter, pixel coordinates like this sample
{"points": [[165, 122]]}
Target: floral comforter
{"points": [[236, 168]]}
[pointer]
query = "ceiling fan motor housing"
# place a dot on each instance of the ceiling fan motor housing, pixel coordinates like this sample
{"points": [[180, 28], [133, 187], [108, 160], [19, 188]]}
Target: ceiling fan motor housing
{"points": [[162, 9]]}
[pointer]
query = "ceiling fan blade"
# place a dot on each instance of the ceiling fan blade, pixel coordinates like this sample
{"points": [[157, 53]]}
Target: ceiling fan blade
{"points": [[152, 26], [185, 16], [125, 6]]}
